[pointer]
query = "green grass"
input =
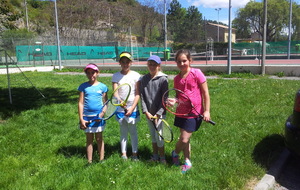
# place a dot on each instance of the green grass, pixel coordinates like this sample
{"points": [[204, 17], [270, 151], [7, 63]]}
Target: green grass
{"points": [[42, 148]]}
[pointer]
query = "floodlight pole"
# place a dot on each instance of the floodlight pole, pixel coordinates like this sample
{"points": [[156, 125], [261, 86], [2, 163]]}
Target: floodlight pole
{"points": [[263, 69], [26, 13], [218, 9], [290, 28], [57, 36], [229, 41], [165, 19]]}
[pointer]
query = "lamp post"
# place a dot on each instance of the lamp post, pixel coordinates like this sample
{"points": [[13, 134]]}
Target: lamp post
{"points": [[290, 28], [229, 40], [26, 13], [57, 36], [218, 9], [165, 29]]}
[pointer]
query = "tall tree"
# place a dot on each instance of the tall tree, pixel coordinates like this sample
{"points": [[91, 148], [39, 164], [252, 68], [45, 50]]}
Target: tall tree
{"points": [[193, 26], [148, 19], [250, 18], [175, 18]]}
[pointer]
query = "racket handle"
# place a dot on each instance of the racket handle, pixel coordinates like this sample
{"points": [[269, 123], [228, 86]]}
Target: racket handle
{"points": [[211, 122]]}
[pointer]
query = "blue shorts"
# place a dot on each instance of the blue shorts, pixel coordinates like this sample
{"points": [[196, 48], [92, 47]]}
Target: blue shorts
{"points": [[190, 125]]}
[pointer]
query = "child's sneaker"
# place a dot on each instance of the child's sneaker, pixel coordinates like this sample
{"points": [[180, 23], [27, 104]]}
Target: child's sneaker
{"points": [[163, 161], [124, 157], [175, 159], [185, 168], [134, 158], [153, 159]]}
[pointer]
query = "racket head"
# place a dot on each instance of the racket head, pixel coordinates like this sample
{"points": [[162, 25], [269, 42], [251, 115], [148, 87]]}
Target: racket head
{"points": [[109, 110], [167, 133], [163, 129], [120, 95], [177, 102]]}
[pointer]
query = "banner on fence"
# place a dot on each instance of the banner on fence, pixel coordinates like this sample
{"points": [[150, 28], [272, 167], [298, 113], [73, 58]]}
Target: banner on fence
{"points": [[40, 52]]}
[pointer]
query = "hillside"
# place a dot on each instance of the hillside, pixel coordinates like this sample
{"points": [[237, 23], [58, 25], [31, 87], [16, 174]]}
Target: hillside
{"points": [[94, 21]]}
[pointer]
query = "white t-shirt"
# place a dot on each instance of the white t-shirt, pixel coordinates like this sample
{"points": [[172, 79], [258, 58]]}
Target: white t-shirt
{"points": [[132, 77]]}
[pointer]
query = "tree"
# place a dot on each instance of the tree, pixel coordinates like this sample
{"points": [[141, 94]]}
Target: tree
{"points": [[192, 26], [250, 19], [175, 18]]}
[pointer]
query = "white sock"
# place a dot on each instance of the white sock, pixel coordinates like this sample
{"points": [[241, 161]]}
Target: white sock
{"points": [[188, 162]]}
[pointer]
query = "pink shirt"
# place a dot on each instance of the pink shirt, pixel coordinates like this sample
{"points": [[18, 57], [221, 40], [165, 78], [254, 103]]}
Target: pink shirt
{"points": [[190, 85]]}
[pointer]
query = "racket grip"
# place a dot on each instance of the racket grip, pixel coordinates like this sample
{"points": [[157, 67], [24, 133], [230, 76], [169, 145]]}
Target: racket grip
{"points": [[211, 122]]}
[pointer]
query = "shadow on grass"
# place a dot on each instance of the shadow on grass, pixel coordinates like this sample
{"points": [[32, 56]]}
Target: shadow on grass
{"points": [[29, 98], [80, 151], [268, 150]]}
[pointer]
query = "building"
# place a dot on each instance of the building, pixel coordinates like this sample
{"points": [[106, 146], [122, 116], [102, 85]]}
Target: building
{"points": [[212, 32]]}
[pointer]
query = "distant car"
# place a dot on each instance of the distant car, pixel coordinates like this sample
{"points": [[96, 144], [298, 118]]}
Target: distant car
{"points": [[292, 127]]}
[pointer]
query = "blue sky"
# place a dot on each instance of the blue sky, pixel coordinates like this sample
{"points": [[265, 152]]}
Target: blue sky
{"points": [[207, 8]]}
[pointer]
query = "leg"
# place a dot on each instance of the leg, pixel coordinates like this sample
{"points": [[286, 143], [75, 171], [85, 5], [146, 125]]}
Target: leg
{"points": [[187, 151], [153, 136], [89, 146], [134, 139], [123, 138], [183, 144], [160, 143], [100, 143]]}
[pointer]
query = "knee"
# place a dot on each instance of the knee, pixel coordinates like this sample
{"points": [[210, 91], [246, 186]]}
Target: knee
{"points": [[99, 139], [184, 140]]}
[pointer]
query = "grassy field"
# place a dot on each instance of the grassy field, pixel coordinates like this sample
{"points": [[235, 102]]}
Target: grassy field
{"points": [[42, 148]]}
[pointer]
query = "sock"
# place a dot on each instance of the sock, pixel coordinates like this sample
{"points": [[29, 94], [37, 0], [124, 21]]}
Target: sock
{"points": [[188, 162]]}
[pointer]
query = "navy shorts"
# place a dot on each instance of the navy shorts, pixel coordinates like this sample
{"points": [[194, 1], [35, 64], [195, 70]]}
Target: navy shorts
{"points": [[190, 125]]}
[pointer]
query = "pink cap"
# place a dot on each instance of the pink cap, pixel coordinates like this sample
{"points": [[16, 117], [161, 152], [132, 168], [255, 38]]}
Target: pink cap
{"points": [[91, 66]]}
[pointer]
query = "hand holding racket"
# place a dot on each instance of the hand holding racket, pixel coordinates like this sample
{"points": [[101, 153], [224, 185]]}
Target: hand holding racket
{"points": [[120, 95], [105, 113], [178, 103], [163, 129]]}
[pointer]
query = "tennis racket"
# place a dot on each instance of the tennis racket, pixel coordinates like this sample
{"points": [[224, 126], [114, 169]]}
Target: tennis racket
{"points": [[163, 129], [178, 103], [105, 113], [120, 95]]}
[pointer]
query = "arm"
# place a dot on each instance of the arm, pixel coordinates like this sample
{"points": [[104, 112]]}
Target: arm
{"points": [[206, 101], [104, 99], [80, 111], [136, 99], [163, 89], [144, 106]]}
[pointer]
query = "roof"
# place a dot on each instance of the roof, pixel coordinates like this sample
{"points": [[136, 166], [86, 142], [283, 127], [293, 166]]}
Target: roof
{"points": [[219, 25]]}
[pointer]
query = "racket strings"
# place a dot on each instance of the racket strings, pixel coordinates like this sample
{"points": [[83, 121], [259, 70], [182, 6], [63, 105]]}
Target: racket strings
{"points": [[110, 110], [163, 129], [166, 132], [121, 95]]}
